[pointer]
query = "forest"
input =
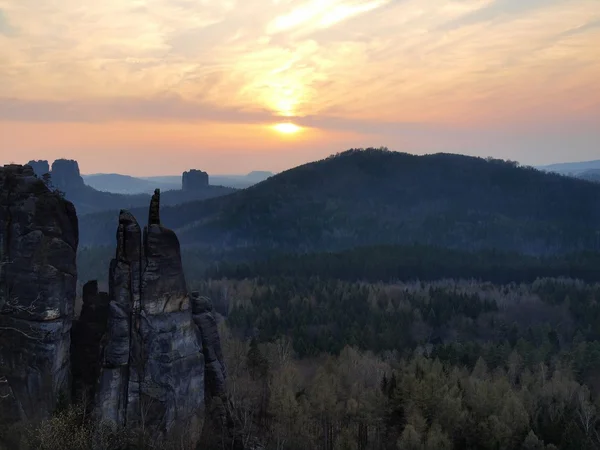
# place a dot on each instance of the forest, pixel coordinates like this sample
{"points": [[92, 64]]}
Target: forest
{"points": [[375, 263], [395, 347], [417, 366], [439, 365]]}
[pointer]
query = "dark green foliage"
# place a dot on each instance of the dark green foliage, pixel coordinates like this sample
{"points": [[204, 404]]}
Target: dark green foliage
{"points": [[457, 322], [416, 262], [497, 366], [379, 263]]}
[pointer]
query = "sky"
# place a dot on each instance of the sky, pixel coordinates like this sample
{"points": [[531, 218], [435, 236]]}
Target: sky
{"points": [[149, 87]]}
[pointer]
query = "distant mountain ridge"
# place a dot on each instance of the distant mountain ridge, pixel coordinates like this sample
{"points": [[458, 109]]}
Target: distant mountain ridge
{"points": [[126, 184], [66, 177], [572, 168], [377, 197]]}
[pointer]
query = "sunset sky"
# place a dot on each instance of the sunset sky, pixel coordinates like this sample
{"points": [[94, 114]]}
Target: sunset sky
{"points": [[149, 87]]}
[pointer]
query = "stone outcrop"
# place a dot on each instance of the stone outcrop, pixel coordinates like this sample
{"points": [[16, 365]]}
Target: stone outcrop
{"points": [[66, 176], [40, 167], [194, 180], [147, 353], [38, 246], [153, 356]]}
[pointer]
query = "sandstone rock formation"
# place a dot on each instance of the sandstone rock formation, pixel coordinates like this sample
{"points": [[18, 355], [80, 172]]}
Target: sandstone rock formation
{"points": [[38, 245], [153, 360], [194, 180], [144, 354], [40, 167], [66, 176]]}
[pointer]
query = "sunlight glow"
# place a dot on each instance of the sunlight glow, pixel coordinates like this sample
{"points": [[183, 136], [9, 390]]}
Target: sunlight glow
{"points": [[287, 128]]}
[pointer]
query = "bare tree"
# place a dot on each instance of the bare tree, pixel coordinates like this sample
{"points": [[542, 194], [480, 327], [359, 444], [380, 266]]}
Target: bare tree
{"points": [[585, 412]]}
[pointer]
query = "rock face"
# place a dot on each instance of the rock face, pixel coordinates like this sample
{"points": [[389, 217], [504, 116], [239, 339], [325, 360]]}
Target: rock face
{"points": [[40, 167], [194, 180], [38, 246], [153, 360], [66, 176]]}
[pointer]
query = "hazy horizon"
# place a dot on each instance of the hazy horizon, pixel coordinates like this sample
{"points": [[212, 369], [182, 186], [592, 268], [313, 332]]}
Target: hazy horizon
{"points": [[166, 175], [156, 87], [242, 174]]}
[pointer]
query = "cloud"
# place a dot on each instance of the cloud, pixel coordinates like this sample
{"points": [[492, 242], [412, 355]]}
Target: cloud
{"points": [[499, 9], [589, 27], [359, 65], [166, 108], [171, 108], [5, 27]]}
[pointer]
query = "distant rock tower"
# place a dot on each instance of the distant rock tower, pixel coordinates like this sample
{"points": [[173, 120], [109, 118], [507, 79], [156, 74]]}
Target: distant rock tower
{"points": [[66, 176], [40, 168], [194, 180]]}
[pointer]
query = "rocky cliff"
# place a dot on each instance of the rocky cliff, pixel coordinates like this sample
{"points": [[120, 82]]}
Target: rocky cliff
{"points": [[38, 245], [194, 180]]}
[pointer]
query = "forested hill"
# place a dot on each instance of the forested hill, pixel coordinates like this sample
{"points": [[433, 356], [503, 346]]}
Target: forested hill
{"points": [[375, 196]]}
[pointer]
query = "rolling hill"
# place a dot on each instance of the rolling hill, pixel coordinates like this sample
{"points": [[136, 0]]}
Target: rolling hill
{"points": [[125, 184], [572, 168], [88, 200], [378, 197]]}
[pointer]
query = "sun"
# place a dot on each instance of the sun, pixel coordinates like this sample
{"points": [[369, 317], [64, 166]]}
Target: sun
{"points": [[287, 128]]}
